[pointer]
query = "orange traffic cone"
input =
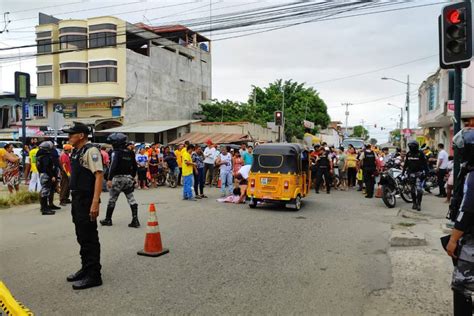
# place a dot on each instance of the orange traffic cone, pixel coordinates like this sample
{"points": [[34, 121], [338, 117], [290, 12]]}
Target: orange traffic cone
{"points": [[379, 192], [153, 246], [219, 183]]}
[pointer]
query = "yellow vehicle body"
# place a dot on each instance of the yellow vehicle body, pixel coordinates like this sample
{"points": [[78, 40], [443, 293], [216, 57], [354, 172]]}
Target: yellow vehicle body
{"points": [[278, 174]]}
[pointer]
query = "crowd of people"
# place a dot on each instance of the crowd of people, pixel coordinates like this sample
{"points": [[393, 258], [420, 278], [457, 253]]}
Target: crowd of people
{"points": [[351, 168]]}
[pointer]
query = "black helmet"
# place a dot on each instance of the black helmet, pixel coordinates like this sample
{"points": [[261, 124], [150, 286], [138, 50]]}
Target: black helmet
{"points": [[464, 142], [413, 146], [117, 140]]}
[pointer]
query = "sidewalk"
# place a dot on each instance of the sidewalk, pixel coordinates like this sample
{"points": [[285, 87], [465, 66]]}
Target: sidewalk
{"points": [[421, 270]]}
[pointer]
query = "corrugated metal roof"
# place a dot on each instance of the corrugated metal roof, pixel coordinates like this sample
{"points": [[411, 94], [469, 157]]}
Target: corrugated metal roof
{"points": [[216, 138], [148, 127]]}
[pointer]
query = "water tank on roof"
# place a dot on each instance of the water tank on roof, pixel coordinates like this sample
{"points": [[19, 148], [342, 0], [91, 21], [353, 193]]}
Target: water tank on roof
{"points": [[203, 46]]}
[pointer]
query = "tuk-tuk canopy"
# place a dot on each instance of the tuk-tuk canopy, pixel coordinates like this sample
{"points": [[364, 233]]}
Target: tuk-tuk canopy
{"points": [[279, 149], [281, 158]]}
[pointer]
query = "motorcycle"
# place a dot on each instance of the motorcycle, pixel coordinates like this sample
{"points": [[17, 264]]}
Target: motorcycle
{"points": [[431, 181], [394, 184]]}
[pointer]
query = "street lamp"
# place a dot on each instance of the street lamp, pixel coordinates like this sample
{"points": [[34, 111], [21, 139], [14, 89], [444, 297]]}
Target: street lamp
{"points": [[401, 113], [408, 95]]}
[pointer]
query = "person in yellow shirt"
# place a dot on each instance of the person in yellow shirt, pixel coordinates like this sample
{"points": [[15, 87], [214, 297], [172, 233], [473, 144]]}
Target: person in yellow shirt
{"points": [[35, 185], [188, 167], [179, 160]]}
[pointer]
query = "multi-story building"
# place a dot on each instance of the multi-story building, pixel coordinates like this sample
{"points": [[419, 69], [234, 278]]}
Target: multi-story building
{"points": [[108, 72], [436, 110]]}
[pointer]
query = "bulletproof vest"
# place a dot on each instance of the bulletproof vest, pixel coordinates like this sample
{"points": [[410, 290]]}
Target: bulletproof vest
{"points": [[369, 160], [125, 162], [43, 160], [413, 162], [458, 194], [323, 161], [82, 179]]}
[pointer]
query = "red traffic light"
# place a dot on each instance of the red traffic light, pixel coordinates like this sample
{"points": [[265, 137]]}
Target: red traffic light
{"points": [[278, 114], [454, 16]]}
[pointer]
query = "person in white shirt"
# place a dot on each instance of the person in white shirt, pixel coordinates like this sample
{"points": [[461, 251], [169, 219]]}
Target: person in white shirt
{"points": [[442, 169], [224, 162], [209, 160]]}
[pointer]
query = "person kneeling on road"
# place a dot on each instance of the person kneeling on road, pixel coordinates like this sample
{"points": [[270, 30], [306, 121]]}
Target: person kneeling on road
{"points": [[242, 176], [121, 178]]}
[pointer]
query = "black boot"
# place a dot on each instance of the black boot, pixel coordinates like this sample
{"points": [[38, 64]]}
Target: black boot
{"points": [[135, 223], [51, 199], [45, 210], [418, 204], [108, 217]]}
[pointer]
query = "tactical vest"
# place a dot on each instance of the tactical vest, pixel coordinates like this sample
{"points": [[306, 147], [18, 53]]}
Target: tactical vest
{"points": [[82, 179], [323, 162], [369, 160], [458, 194], [125, 162]]}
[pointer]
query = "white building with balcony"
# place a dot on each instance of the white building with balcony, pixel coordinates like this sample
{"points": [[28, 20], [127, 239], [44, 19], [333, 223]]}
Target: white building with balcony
{"points": [[436, 111]]}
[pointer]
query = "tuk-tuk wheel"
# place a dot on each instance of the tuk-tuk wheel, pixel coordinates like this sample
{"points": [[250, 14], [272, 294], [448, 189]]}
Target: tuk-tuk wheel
{"points": [[253, 203], [298, 203]]}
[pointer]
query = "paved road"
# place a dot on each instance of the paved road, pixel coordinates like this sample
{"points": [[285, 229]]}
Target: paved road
{"points": [[224, 259]]}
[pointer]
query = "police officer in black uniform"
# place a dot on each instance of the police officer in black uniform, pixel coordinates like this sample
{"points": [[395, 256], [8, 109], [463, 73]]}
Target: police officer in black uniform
{"points": [[417, 168], [461, 211], [369, 167], [323, 170], [123, 169], [86, 187]]}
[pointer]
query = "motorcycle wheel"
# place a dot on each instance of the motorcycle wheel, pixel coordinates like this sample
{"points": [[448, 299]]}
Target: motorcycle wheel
{"points": [[388, 197], [405, 193], [160, 180], [172, 181]]}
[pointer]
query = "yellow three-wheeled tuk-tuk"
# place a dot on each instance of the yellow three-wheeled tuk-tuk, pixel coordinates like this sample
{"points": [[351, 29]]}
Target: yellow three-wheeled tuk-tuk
{"points": [[279, 174]]}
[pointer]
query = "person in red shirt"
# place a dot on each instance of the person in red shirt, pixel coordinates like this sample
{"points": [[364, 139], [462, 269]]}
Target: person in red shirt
{"points": [[65, 162]]}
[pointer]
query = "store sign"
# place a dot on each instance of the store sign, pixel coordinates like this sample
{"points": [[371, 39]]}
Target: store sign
{"points": [[99, 105], [31, 132], [406, 132], [450, 105], [308, 124], [69, 110]]}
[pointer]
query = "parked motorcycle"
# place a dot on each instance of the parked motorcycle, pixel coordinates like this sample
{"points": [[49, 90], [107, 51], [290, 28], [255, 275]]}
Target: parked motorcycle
{"points": [[394, 184]]}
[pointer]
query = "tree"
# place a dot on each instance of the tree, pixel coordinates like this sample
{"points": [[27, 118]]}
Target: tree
{"points": [[361, 132], [300, 103]]}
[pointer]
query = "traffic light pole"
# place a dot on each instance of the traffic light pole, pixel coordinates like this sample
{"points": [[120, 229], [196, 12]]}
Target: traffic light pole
{"points": [[457, 114]]}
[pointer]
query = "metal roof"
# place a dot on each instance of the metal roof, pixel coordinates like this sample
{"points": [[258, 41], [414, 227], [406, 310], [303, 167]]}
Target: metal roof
{"points": [[148, 127], [216, 138]]}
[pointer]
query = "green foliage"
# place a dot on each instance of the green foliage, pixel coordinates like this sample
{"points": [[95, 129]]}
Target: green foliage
{"points": [[373, 141], [20, 198], [360, 131], [300, 103]]}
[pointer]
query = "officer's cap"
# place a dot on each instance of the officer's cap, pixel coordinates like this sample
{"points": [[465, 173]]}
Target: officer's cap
{"points": [[77, 128]]}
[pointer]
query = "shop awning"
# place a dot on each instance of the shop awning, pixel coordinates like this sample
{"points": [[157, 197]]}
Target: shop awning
{"points": [[216, 138], [149, 127], [70, 121]]}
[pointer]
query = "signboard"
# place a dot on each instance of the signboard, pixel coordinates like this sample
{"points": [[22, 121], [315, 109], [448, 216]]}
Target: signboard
{"points": [[406, 132], [99, 105], [22, 86], [69, 110], [450, 106], [308, 124], [116, 103]]}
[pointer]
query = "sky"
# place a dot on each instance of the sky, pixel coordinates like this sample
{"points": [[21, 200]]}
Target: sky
{"points": [[392, 44]]}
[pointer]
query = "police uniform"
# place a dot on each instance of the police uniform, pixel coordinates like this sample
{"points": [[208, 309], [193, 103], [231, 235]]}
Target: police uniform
{"points": [[416, 167], [122, 173], [85, 163], [369, 167], [45, 166], [323, 167]]}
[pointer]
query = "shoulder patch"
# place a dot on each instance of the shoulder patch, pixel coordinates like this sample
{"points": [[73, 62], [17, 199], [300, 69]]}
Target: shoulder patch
{"points": [[95, 157]]}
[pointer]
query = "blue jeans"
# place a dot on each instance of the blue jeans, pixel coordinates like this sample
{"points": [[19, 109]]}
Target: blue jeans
{"points": [[226, 182], [199, 181], [188, 186]]}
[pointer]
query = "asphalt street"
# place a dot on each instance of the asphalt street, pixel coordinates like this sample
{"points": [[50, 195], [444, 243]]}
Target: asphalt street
{"points": [[224, 258]]}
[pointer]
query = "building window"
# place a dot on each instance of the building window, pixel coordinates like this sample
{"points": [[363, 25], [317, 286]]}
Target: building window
{"points": [[73, 42], [38, 110], [73, 73], [102, 39], [45, 75], [103, 71], [43, 46], [433, 97], [27, 112]]}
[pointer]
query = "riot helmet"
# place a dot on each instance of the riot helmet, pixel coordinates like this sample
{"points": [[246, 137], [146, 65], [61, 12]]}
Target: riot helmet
{"points": [[46, 145], [464, 142], [117, 140], [413, 146]]}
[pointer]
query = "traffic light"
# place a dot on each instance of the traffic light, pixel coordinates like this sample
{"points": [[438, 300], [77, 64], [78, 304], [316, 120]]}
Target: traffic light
{"points": [[278, 118], [456, 33]]}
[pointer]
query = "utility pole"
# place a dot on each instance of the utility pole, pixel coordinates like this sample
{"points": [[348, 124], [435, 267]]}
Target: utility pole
{"points": [[408, 101], [282, 138], [363, 129], [457, 114], [347, 113]]}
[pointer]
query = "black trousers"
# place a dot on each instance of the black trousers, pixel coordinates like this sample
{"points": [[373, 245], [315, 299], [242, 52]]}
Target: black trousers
{"points": [[86, 232], [320, 174], [351, 176], [208, 168], [441, 183], [369, 180]]}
